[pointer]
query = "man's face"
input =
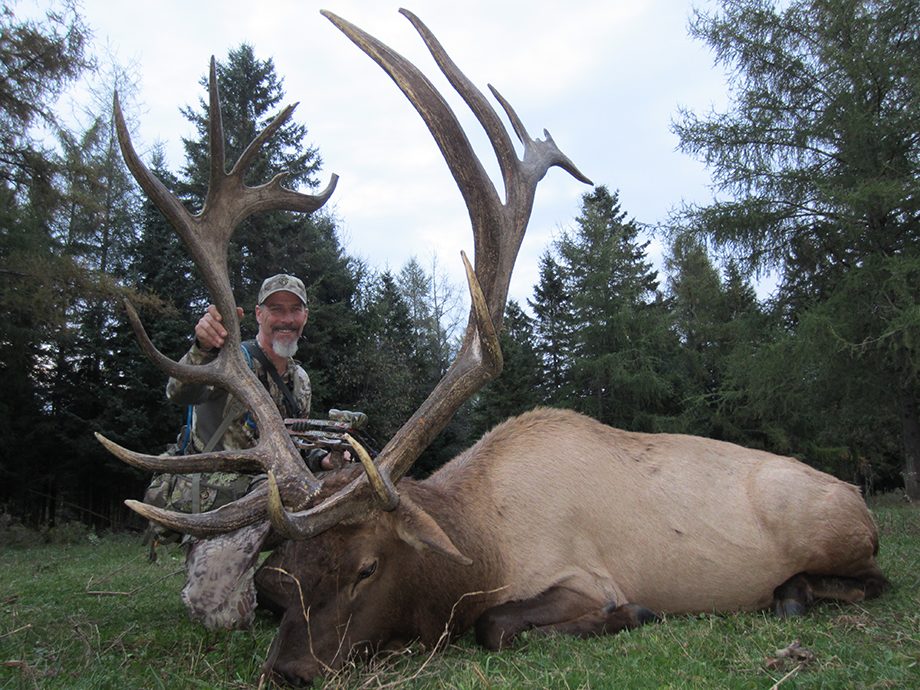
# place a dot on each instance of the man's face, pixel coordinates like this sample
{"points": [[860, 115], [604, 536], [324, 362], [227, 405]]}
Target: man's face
{"points": [[281, 320]]}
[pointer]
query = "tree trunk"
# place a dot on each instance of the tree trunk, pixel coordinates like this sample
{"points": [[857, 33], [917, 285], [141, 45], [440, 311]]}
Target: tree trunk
{"points": [[911, 435]]}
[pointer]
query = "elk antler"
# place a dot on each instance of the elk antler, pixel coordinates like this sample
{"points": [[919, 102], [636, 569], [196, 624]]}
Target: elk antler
{"points": [[498, 229], [207, 235]]}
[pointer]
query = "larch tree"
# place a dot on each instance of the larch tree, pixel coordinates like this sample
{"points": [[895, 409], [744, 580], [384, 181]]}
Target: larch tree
{"points": [[816, 161]]}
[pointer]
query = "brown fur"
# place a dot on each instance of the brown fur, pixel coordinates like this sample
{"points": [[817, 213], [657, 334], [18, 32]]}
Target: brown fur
{"points": [[555, 501]]}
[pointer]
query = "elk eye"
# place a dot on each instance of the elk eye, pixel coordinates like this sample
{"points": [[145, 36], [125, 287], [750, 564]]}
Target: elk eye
{"points": [[367, 570]]}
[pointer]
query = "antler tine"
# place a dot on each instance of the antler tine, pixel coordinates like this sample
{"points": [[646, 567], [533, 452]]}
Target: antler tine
{"points": [[245, 511], [228, 460], [498, 228], [474, 183], [478, 362], [215, 135], [472, 96], [207, 236]]}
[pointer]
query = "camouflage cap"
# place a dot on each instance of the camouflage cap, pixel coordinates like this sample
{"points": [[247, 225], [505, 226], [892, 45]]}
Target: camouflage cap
{"points": [[282, 283]]}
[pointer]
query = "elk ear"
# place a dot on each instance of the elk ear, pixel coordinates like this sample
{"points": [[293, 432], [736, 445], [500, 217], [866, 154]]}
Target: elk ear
{"points": [[418, 529]]}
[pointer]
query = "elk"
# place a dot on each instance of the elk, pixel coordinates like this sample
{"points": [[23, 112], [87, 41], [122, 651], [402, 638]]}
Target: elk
{"points": [[552, 522]]}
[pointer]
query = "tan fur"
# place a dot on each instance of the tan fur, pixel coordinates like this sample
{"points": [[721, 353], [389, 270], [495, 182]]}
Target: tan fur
{"points": [[675, 523], [554, 509]]}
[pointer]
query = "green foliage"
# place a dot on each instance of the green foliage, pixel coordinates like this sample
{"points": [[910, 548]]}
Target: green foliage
{"points": [[552, 328], [385, 384], [37, 61], [720, 325], [816, 157], [620, 337], [819, 155]]}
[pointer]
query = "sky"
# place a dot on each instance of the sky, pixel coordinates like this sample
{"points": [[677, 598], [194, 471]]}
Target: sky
{"points": [[605, 77]]}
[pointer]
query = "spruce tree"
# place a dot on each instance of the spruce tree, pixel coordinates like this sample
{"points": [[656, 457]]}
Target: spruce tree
{"points": [[621, 340], [717, 321]]}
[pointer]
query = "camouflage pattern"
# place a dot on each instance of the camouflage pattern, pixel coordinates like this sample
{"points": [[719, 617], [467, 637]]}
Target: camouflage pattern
{"points": [[220, 592], [211, 406], [175, 491], [282, 283]]}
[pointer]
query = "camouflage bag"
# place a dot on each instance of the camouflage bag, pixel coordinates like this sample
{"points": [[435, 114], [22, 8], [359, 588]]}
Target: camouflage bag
{"points": [[190, 493], [178, 491]]}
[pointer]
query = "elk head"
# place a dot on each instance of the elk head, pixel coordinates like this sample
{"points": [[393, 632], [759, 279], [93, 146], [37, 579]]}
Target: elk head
{"points": [[364, 502]]}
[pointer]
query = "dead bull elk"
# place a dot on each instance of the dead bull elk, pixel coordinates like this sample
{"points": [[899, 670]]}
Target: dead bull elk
{"points": [[552, 521]]}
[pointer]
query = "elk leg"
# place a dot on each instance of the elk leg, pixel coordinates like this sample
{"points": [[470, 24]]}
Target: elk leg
{"points": [[558, 610], [793, 597], [608, 621], [798, 593]]}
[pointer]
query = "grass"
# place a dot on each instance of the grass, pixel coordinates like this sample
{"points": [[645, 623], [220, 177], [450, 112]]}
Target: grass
{"points": [[97, 614]]}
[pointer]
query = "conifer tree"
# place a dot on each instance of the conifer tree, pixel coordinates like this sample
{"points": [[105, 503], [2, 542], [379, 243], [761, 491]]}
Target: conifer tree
{"points": [[816, 159], [717, 322], [621, 340], [552, 330], [385, 377]]}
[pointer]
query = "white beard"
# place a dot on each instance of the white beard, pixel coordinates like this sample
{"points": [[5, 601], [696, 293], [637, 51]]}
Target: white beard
{"points": [[284, 349]]}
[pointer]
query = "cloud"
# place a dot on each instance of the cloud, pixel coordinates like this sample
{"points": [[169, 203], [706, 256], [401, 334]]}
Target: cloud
{"points": [[604, 77]]}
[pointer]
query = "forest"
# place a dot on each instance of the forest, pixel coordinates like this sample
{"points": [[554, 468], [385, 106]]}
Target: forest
{"points": [[816, 160]]}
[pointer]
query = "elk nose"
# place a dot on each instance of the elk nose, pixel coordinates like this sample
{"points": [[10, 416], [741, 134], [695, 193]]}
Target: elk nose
{"points": [[287, 676]]}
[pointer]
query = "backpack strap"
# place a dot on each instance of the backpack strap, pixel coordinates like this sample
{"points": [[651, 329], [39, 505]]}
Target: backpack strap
{"points": [[291, 408]]}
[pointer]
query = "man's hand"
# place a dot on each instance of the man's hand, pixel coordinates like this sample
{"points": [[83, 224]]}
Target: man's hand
{"points": [[209, 331], [335, 460]]}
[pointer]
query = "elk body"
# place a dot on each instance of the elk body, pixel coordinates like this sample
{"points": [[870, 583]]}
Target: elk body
{"points": [[570, 526], [552, 521]]}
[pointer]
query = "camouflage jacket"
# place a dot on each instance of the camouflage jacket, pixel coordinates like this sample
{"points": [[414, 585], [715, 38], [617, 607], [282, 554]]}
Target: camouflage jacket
{"points": [[212, 404]]}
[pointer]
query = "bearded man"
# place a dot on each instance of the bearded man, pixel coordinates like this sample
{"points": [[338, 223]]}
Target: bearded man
{"points": [[217, 420]]}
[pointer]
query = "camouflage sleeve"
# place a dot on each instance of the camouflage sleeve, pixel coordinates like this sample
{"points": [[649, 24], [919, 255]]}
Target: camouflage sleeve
{"points": [[192, 393]]}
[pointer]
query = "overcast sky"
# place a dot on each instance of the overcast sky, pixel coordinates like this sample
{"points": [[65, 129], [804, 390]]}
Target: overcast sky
{"points": [[605, 77]]}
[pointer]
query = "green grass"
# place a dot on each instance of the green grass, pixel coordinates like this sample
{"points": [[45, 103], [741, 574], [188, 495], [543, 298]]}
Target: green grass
{"points": [[97, 614]]}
